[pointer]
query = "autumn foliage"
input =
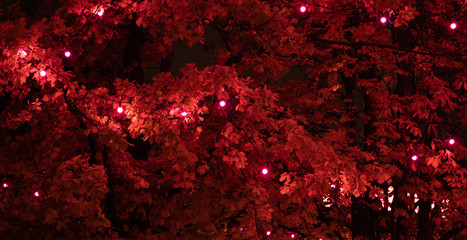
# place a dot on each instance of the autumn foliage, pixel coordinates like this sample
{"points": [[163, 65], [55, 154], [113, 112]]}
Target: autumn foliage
{"points": [[333, 102]]}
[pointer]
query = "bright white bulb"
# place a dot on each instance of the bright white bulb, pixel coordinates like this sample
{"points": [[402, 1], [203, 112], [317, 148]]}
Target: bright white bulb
{"points": [[5, 185], [302, 9], [414, 157], [453, 26], [222, 103], [265, 171], [22, 53], [36, 194], [268, 233], [42, 73], [333, 185], [383, 20], [184, 114], [120, 109], [100, 12], [452, 141], [67, 53], [292, 236]]}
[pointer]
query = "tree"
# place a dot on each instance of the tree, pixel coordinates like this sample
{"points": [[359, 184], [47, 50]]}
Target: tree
{"points": [[202, 119]]}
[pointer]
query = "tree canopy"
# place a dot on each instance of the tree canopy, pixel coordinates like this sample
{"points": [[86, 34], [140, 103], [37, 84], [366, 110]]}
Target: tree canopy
{"points": [[233, 119]]}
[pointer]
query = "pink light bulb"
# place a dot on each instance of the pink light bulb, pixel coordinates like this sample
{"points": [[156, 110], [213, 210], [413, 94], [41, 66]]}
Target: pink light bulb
{"points": [[120, 109], [414, 157], [302, 9], [333, 185], [383, 20], [184, 114], [453, 26], [222, 103], [67, 53], [268, 233], [452, 141], [292, 236], [100, 12], [36, 194], [5, 185], [264, 171], [42, 73]]}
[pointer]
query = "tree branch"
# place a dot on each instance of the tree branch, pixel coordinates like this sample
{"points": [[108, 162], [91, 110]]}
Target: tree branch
{"points": [[363, 44]]}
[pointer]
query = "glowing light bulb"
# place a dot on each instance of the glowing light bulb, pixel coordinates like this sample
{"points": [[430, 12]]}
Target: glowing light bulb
{"points": [[22, 53], [5, 185], [222, 103], [452, 141], [67, 53], [36, 194], [42, 73], [100, 12], [414, 157], [333, 185], [120, 109], [453, 26], [184, 114], [302, 9], [292, 236], [264, 171], [268, 233], [383, 20]]}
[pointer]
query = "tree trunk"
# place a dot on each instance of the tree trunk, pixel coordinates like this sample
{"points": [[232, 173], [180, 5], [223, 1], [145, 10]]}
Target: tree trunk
{"points": [[425, 225], [364, 220]]}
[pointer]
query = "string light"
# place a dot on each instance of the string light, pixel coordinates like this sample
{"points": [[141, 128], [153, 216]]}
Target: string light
{"points": [[452, 141], [453, 26], [5, 185], [264, 171], [333, 185], [383, 20], [302, 9], [42, 73], [184, 114], [22, 53], [268, 232], [36, 194], [292, 236], [120, 109], [100, 12], [414, 157], [67, 53], [222, 103]]}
